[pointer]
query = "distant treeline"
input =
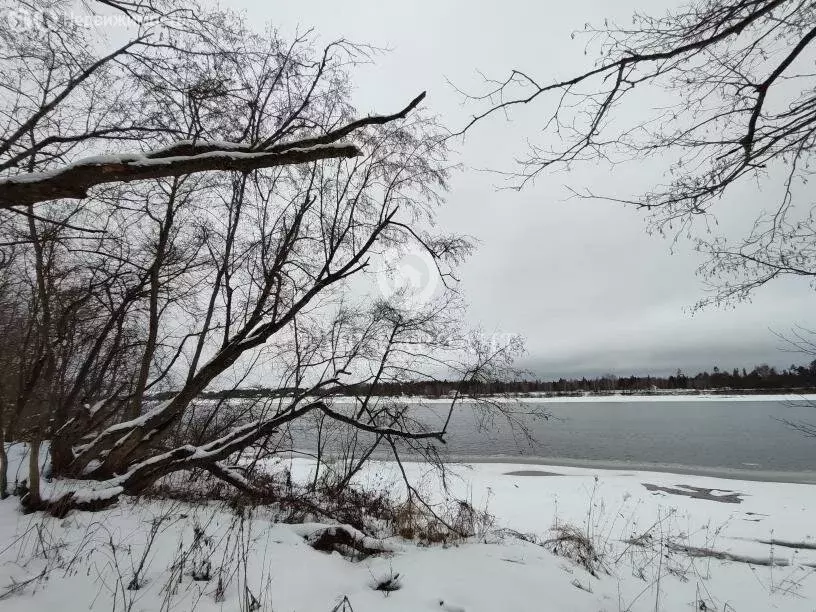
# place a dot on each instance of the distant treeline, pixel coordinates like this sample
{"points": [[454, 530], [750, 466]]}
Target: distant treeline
{"points": [[762, 379]]}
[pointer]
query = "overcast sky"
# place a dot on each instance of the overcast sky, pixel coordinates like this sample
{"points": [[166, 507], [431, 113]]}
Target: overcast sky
{"points": [[582, 281]]}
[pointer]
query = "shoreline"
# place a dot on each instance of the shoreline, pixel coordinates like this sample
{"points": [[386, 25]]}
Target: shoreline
{"points": [[611, 398], [722, 473], [609, 466], [676, 395]]}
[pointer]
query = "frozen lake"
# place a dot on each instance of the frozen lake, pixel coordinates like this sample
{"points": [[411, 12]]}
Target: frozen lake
{"points": [[718, 437], [734, 435]]}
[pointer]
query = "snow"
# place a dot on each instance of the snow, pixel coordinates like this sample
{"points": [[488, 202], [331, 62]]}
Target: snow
{"points": [[87, 560], [96, 406], [94, 160], [677, 397], [139, 421], [235, 155], [613, 397], [100, 494], [144, 160]]}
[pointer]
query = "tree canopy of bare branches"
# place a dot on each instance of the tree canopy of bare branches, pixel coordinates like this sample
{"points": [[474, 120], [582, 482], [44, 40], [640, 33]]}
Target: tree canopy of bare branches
{"points": [[737, 80], [43, 129], [191, 207]]}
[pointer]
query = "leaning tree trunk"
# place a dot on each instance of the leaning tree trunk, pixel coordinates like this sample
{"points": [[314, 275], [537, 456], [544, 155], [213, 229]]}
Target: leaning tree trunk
{"points": [[209, 456], [142, 475]]}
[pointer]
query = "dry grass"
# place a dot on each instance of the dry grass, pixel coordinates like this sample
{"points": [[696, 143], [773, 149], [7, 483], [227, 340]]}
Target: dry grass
{"points": [[448, 524], [574, 544]]}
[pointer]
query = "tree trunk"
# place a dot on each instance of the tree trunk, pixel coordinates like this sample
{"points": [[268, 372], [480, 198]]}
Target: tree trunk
{"points": [[61, 454], [34, 500], [3, 467], [165, 228], [143, 475]]}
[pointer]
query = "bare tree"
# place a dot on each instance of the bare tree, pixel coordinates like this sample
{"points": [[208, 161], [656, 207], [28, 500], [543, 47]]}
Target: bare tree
{"points": [[131, 88], [740, 109], [184, 278]]}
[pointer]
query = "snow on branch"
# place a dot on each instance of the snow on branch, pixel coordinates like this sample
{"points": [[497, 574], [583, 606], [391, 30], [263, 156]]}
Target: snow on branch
{"points": [[74, 180], [183, 157]]}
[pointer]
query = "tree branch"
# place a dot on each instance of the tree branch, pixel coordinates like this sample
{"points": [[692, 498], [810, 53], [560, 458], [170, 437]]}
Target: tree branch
{"points": [[74, 180]]}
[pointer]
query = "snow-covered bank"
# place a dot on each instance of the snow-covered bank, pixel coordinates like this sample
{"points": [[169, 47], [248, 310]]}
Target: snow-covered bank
{"points": [[787, 476], [613, 397], [649, 530], [677, 397]]}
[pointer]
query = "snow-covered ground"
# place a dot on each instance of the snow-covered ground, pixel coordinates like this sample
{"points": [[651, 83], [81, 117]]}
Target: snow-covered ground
{"points": [[87, 560]]}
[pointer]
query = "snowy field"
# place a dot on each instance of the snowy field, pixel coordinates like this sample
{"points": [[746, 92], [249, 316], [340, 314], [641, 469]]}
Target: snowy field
{"points": [[658, 545]]}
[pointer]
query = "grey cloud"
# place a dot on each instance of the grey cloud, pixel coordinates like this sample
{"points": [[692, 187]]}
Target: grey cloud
{"points": [[580, 280]]}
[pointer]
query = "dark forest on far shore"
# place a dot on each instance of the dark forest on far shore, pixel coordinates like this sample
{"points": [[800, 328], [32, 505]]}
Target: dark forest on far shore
{"points": [[761, 379]]}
